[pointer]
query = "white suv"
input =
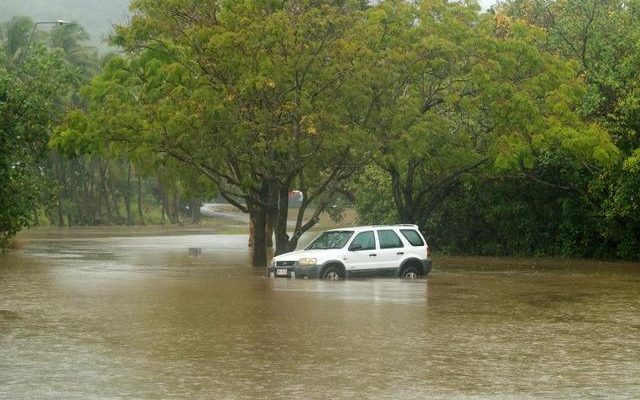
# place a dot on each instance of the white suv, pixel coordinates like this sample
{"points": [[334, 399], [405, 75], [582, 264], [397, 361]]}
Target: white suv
{"points": [[387, 250]]}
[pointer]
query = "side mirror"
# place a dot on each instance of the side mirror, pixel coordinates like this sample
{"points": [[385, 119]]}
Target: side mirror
{"points": [[355, 247]]}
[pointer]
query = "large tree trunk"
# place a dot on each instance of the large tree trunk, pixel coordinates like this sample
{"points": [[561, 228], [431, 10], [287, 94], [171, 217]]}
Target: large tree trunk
{"points": [[195, 211], [272, 212], [258, 215], [252, 230], [268, 233], [175, 208], [281, 217], [269, 230]]}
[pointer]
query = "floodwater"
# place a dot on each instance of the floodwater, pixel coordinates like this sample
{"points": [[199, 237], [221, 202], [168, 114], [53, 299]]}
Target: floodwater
{"points": [[129, 314]]}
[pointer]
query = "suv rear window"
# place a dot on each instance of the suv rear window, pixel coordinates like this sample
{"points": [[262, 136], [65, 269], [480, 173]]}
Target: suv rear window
{"points": [[412, 236], [389, 239]]}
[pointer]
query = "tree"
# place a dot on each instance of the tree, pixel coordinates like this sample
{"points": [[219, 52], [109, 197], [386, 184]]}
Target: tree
{"points": [[15, 37], [601, 36], [422, 63], [74, 174], [28, 94], [460, 93], [72, 39], [254, 95]]}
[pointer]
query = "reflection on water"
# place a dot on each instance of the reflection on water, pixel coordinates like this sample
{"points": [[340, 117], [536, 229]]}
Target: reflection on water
{"points": [[110, 314]]}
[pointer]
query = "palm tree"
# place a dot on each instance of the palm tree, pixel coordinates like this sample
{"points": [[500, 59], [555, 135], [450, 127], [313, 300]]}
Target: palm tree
{"points": [[14, 39], [72, 38]]}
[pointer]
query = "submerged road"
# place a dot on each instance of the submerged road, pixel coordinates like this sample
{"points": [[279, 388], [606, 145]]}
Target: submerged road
{"points": [[126, 313]]}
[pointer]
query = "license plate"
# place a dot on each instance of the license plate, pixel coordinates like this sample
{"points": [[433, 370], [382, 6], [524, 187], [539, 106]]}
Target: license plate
{"points": [[281, 271]]}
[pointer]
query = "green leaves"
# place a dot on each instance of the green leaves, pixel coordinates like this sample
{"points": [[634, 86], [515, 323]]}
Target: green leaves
{"points": [[301, 95], [32, 97], [253, 77], [595, 123]]}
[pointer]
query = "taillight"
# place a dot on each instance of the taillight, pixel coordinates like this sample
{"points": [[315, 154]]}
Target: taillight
{"points": [[428, 251]]}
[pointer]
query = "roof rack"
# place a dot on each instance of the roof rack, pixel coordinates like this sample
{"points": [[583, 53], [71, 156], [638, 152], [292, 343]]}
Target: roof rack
{"points": [[375, 226]]}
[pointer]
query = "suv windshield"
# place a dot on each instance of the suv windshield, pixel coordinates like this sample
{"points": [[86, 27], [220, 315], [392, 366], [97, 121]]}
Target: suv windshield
{"points": [[330, 240]]}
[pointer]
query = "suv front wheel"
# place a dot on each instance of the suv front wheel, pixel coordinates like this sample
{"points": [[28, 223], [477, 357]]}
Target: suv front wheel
{"points": [[333, 273]]}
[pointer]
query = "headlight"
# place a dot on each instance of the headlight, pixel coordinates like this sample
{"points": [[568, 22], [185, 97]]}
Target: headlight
{"points": [[273, 262], [307, 261]]}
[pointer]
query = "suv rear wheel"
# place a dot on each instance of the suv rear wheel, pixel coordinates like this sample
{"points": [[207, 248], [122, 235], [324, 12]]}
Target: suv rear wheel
{"points": [[410, 272], [333, 273]]}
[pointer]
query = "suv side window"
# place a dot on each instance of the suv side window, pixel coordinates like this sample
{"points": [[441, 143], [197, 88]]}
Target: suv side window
{"points": [[389, 239], [365, 240], [412, 236]]}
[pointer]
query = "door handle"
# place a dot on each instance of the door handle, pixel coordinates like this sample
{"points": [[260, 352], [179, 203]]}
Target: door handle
{"points": [[372, 255], [399, 253]]}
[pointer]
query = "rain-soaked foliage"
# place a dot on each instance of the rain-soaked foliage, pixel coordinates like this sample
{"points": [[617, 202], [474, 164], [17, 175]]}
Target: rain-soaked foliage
{"points": [[512, 131]]}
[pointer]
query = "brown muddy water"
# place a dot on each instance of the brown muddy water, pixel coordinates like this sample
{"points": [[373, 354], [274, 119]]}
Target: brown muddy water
{"points": [[128, 314]]}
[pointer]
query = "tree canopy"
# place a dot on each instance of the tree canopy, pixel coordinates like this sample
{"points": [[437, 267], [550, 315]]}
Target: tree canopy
{"points": [[34, 82], [256, 96], [513, 131]]}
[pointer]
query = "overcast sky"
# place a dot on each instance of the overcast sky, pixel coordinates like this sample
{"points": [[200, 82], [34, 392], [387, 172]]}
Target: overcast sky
{"points": [[95, 15], [486, 3]]}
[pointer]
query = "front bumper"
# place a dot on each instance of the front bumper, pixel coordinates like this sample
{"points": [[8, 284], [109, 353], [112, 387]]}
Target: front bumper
{"points": [[294, 271]]}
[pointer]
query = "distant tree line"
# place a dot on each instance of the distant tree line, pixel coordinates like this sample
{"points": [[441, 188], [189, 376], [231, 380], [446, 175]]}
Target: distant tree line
{"points": [[41, 76], [513, 131]]}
